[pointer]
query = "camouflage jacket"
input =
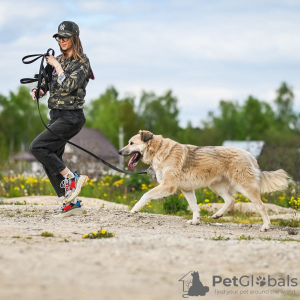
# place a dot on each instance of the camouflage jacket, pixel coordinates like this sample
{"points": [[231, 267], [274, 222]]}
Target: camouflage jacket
{"points": [[67, 91]]}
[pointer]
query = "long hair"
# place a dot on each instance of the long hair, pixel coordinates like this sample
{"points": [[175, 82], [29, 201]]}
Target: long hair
{"points": [[76, 46]]}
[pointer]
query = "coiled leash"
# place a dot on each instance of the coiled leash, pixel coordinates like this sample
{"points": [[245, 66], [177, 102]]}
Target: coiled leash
{"points": [[46, 74]]}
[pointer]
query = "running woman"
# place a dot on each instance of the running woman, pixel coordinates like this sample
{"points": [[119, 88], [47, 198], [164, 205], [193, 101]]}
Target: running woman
{"points": [[71, 74]]}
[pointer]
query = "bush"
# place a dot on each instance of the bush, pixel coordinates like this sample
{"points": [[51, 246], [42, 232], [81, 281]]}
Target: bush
{"points": [[174, 204]]}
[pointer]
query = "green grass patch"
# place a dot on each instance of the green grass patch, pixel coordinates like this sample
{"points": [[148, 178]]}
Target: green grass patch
{"points": [[244, 237], [47, 234], [221, 238], [100, 234], [20, 203], [265, 238], [16, 236], [286, 223], [288, 240]]}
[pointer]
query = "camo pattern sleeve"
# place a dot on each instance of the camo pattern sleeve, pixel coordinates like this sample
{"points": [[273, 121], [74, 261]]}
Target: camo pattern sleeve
{"points": [[67, 91]]}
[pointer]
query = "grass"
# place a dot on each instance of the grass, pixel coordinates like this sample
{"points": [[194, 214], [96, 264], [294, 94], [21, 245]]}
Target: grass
{"points": [[101, 233], [286, 223], [221, 238], [47, 234], [20, 203], [244, 237], [127, 189], [16, 236], [288, 240], [265, 238]]}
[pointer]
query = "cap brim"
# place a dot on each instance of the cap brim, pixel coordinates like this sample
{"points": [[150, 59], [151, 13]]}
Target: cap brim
{"points": [[64, 34]]}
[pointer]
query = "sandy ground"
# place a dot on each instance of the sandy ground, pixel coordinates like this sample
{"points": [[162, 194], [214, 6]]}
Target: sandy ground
{"points": [[145, 260]]}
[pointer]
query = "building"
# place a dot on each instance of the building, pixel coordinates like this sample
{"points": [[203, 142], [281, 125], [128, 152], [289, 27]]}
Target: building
{"points": [[254, 147], [76, 159]]}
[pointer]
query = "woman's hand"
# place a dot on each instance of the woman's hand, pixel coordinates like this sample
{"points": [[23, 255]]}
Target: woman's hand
{"points": [[33, 93], [51, 60]]}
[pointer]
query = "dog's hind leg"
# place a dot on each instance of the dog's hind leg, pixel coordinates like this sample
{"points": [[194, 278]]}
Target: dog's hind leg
{"points": [[223, 190], [192, 200], [253, 194]]}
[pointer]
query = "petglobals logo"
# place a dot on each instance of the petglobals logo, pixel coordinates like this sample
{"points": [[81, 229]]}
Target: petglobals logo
{"points": [[253, 281], [192, 286]]}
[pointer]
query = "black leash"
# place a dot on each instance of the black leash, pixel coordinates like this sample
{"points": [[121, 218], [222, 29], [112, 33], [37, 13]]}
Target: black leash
{"points": [[46, 73]]}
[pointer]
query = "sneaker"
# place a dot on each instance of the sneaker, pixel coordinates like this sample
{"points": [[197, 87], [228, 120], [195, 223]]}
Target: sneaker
{"points": [[73, 186], [69, 210]]}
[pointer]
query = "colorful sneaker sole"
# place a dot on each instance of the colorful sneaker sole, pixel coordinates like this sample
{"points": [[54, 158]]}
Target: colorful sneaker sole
{"points": [[72, 212], [80, 183]]}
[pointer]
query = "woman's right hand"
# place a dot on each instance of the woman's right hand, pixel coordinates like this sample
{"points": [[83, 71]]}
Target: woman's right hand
{"points": [[33, 93]]}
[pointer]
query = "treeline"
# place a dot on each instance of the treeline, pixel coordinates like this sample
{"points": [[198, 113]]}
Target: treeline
{"points": [[254, 119], [277, 123]]}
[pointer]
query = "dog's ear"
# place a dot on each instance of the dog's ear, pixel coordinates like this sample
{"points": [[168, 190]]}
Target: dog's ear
{"points": [[145, 135]]}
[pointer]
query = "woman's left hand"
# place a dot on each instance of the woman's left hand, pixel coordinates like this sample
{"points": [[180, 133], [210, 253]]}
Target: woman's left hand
{"points": [[51, 60]]}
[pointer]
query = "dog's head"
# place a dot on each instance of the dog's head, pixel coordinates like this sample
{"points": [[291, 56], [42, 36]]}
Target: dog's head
{"points": [[136, 147]]}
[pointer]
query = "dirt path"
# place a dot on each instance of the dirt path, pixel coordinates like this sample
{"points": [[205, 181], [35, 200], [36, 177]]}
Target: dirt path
{"points": [[145, 259]]}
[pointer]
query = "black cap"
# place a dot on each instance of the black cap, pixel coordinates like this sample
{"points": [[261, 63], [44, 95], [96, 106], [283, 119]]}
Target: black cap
{"points": [[67, 29]]}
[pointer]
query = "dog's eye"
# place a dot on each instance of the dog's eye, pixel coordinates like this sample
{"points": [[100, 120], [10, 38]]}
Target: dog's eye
{"points": [[131, 143]]}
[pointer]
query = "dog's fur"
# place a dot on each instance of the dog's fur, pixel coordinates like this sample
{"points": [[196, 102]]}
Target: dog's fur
{"points": [[225, 170]]}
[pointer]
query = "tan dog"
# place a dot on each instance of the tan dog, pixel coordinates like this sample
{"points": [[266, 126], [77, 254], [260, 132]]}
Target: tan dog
{"points": [[225, 170]]}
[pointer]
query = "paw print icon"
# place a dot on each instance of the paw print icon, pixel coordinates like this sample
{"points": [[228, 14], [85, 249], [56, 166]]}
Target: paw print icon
{"points": [[261, 281]]}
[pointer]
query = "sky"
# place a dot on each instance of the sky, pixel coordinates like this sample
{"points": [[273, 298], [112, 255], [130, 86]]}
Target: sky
{"points": [[204, 51]]}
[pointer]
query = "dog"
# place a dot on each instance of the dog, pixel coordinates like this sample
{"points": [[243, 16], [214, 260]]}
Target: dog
{"points": [[225, 170]]}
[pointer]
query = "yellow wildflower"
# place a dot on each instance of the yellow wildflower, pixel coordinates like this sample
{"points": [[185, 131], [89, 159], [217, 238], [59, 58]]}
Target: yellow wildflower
{"points": [[103, 231], [84, 236], [94, 233]]}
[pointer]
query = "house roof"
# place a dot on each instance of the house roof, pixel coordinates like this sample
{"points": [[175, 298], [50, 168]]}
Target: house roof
{"points": [[25, 155], [254, 147], [94, 141]]}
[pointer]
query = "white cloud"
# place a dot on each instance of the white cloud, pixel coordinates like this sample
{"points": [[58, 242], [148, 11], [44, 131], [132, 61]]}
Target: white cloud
{"points": [[11, 11]]}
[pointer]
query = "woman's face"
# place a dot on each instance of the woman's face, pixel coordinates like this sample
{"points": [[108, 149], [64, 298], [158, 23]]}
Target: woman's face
{"points": [[65, 44]]}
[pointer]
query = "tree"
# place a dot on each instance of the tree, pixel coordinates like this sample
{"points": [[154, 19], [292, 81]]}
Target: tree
{"points": [[159, 113], [19, 121], [284, 106], [108, 114]]}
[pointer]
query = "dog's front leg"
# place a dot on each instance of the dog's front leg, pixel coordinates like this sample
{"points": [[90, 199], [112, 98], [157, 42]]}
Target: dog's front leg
{"points": [[162, 190], [192, 200]]}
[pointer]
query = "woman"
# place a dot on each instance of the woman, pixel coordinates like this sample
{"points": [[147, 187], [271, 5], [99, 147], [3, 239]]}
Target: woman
{"points": [[71, 73]]}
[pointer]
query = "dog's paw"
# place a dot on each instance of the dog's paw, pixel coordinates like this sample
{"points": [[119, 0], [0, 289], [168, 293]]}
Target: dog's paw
{"points": [[133, 211], [216, 216], [264, 228], [193, 222]]}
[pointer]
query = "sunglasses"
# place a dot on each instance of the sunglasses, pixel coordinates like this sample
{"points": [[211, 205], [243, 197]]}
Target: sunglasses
{"points": [[61, 38]]}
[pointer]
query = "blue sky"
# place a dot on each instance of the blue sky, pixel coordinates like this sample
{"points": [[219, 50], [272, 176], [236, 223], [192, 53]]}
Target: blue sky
{"points": [[204, 51]]}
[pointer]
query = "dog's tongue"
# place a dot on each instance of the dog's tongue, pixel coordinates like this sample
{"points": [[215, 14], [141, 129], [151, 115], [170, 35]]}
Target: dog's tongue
{"points": [[130, 164]]}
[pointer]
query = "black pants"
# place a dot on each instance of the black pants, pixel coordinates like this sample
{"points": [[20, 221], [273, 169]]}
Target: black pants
{"points": [[48, 148]]}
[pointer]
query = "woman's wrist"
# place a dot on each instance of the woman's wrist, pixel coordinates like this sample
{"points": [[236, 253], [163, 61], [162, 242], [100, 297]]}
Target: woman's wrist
{"points": [[58, 69]]}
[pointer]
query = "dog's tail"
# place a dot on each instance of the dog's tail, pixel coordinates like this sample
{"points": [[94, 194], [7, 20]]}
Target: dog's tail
{"points": [[273, 181]]}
